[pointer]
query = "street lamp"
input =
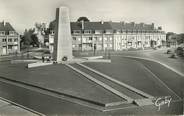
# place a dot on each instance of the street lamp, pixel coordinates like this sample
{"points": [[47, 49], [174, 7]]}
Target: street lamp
{"points": [[94, 49]]}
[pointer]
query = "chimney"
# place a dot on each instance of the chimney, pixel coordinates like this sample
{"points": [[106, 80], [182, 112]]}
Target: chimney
{"points": [[142, 24], [133, 24], [122, 22], [159, 28], [3, 23], [82, 22], [102, 22], [152, 25]]}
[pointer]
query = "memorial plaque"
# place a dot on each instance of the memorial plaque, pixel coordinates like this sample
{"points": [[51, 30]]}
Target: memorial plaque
{"points": [[62, 39]]}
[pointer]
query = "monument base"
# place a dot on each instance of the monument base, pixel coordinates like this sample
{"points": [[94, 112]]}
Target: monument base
{"points": [[86, 59], [38, 64], [72, 61]]}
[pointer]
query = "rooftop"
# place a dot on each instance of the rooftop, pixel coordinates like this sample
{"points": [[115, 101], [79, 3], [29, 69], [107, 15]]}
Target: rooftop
{"points": [[6, 26], [112, 26]]}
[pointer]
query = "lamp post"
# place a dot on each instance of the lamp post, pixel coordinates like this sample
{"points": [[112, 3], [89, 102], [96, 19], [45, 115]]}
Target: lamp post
{"points": [[94, 50]]}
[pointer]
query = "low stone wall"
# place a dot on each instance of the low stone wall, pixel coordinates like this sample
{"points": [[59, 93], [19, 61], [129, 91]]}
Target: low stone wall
{"points": [[22, 61], [93, 57], [38, 64]]}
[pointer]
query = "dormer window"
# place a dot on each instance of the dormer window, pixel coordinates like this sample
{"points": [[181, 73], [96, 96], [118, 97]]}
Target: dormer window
{"points": [[2, 33], [98, 31], [108, 31], [87, 31], [123, 31], [76, 31], [134, 31], [117, 31], [11, 33]]}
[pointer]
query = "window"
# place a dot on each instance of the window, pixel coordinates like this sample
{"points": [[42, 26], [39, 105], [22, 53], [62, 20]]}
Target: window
{"points": [[11, 33], [90, 38], [87, 31], [130, 43], [105, 45], [9, 40], [100, 39], [118, 31], [79, 39], [15, 47], [110, 45], [105, 39], [147, 37], [9, 47], [15, 40], [2, 32], [108, 31], [3, 40], [98, 31], [95, 38], [84, 40], [73, 46], [74, 38], [52, 32], [76, 31]]}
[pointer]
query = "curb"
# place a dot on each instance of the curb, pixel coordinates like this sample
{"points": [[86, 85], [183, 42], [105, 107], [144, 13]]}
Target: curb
{"points": [[22, 107]]}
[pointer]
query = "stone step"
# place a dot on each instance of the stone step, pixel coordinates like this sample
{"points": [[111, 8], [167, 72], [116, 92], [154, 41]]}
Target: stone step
{"points": [[130, 100], [93, 57], [38, 64], [143, 102]]}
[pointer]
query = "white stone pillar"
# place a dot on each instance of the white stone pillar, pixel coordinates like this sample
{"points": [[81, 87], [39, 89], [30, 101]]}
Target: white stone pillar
{"points": [[62, 39]]}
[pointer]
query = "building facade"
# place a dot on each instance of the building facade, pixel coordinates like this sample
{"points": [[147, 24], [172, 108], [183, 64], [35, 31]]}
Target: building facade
{"points": [[116, 36], [9, 39]]}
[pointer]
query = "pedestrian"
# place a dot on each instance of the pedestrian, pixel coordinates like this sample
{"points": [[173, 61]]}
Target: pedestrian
{"points": [[49, 58], [43, 59]]}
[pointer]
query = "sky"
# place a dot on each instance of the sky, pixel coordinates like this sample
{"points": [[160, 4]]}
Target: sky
{"points": [[23, 14]]}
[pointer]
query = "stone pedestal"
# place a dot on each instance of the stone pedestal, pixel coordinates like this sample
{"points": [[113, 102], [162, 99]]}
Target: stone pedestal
{"points": [[62, 40]]}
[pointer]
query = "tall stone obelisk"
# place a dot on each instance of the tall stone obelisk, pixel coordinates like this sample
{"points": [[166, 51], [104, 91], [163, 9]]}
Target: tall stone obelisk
{"points": [[62, 39]]}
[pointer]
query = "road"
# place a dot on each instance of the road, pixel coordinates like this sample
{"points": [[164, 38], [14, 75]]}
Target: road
{"points": [[158, 55]]}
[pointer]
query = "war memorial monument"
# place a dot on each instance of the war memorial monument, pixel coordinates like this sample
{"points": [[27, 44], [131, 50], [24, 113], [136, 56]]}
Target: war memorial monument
{"points": [[63, 39]]}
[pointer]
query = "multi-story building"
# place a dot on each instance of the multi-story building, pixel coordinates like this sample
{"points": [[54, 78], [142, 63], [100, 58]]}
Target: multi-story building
{"points": [[114, 36], [9, 39]]}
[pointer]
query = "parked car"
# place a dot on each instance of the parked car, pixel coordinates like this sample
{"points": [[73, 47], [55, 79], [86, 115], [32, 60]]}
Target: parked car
{"points": [[169, 51], [180, 51], [173, 55]]}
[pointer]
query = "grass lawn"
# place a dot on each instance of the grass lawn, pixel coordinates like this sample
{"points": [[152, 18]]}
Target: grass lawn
{"points": [[133, 72]]}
